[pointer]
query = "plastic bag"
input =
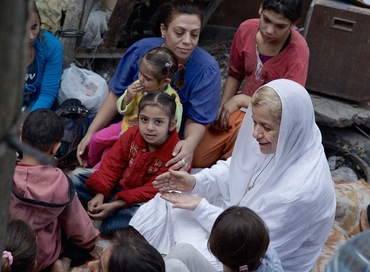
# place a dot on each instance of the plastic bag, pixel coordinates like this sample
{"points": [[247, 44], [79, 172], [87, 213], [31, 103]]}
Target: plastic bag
{"points": [[85, 85], [344, 174], [96, 25]]}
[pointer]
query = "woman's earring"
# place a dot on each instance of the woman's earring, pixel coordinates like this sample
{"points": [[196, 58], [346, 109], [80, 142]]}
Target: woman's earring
{"points": [[162, 36]]}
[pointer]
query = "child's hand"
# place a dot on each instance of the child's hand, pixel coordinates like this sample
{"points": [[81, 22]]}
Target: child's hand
{"points": [[133, 89], [96, 252], [95, 202], [102, 211]]}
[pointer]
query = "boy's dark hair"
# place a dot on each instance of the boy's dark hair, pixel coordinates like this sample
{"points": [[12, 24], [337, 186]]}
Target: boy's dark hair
{"points": [[291, 9], [159, 99], [165, 62], [239, 237], [133, 253], [20, 241], [42, 129], [166, 12]]}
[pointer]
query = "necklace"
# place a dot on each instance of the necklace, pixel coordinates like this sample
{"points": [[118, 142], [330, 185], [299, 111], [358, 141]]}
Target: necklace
{"points": [[263, 169]]}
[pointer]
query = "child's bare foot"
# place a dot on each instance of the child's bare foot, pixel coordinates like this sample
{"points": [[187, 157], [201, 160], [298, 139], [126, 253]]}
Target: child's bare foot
{"points": [[61, 265]]}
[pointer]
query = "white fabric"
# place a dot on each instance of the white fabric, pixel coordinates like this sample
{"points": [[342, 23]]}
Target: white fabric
{"points": [[293, 193]]}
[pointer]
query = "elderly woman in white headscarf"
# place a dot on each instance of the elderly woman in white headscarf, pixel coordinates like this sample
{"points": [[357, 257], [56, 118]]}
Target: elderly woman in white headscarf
{"points": [[278, 169]]}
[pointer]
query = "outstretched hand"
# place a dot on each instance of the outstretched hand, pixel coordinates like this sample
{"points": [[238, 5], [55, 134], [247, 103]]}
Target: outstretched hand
{"points": [[174, 180], [187, 202]]}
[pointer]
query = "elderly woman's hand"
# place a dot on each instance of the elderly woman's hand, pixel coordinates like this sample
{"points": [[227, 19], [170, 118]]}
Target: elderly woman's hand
{"points": [[174, 180], [181, 201], [183, 156]]}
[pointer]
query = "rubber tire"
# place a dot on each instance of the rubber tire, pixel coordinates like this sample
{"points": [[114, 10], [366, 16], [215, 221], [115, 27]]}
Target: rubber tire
{"points": [[350, 144]]}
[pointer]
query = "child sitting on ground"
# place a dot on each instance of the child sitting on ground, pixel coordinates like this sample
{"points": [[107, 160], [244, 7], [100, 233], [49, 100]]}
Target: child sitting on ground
{"points": [[116, 190], [129, 252], [44, 196], [20, 247], [239, 239], [157, 68]]}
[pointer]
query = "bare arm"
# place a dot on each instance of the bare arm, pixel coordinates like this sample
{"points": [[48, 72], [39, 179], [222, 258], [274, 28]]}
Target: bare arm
{"points": [[230, 102], [231, 87], [184, 150], [130, 94], [104, 116]]}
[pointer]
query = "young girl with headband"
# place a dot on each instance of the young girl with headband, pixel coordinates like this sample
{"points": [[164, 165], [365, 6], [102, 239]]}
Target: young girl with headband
{"points": [[157, 68]]}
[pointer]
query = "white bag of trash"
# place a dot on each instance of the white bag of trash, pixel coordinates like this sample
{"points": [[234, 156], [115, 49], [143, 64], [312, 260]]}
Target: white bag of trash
{"points": [[87, 86]]}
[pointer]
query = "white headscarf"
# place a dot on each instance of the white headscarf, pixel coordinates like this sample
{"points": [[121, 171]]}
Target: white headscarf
{"points": [[293, 190]]}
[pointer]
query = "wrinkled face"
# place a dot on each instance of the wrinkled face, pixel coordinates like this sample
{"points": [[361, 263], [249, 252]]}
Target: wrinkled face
{"points": [[266, 129], [147, 77], [154, 126], [182, 35], [34, 28], [101, 265], [274, 26]]}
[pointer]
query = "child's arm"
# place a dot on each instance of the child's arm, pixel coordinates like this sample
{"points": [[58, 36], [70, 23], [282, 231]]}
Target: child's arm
{"points": [[230, 102], [127, 97], [113, 164], [77, 225], [139, 194], [146, 191]]}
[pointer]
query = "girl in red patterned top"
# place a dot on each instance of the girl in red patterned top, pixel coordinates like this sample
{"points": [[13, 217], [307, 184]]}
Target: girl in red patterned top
{"points": [[116, 190]]}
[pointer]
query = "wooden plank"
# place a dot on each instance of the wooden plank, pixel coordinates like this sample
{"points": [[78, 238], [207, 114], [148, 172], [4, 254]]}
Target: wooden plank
{"points": [[102, 53], [72, 21], [117, 22], [211, 8]]}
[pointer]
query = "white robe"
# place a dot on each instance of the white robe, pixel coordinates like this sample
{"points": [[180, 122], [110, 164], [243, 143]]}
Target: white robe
{"points": [[292, 190]]}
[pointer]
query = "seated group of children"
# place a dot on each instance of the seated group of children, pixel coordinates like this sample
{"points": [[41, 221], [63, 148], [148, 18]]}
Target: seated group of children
{"points": [[45, 197], [59, 209]]}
